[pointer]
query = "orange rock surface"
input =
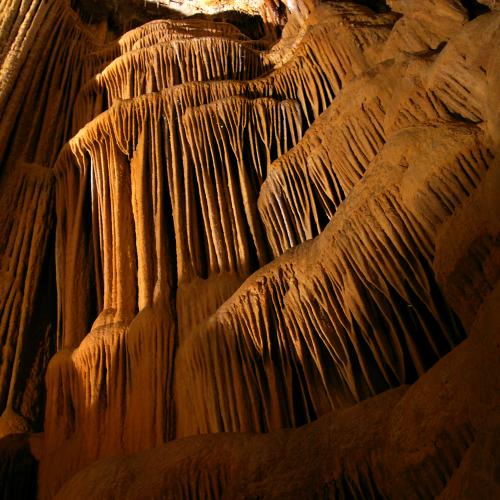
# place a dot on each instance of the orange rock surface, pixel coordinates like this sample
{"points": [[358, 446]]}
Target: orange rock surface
{"points": [[241, 266]]}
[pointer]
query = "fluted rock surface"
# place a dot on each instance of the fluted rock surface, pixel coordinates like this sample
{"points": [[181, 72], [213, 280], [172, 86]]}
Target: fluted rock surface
{"points": [[207, 234]]}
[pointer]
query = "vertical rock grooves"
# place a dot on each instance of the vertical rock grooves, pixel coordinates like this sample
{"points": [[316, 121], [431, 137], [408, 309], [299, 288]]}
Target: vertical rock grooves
{"points": [[37, 88], [135, 180], [312, 317], [330, 53], [238, 238], [341, 44], [36, 84], [218, 231], [307, 184], [25, 223], [164, 65]]}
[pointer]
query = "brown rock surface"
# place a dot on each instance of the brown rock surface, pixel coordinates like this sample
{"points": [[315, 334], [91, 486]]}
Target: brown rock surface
{"points": [[291, 249], [436, 438]]}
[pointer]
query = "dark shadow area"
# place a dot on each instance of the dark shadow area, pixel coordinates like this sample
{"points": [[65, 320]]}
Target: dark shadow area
{"points": [[474, 8], [18, 468], [377, 6]]}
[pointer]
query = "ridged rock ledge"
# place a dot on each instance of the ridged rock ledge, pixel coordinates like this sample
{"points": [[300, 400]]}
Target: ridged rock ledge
{"points": [[250, 253]]}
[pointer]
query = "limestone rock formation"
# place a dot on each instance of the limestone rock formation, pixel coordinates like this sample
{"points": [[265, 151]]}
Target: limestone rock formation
{"points": [[262, 254]]}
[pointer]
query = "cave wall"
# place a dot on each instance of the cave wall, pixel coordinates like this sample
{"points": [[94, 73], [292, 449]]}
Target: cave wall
{"points": [[209, 233]]}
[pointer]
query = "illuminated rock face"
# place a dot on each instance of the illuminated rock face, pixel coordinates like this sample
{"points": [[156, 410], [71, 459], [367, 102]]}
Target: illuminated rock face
{"points": [[208, 235]]}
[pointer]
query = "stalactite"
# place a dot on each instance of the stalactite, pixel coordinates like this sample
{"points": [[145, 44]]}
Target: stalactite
{"points": [[246, 239], [341, 45], [342, 289], [330, 53], [305, 186], [163, 65]]}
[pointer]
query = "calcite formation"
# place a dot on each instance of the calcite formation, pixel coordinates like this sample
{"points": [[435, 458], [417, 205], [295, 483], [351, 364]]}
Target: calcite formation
{"points": [[239, 267]]}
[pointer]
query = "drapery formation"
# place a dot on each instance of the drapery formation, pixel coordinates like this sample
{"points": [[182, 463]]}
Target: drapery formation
{"points": [[209, 236]]}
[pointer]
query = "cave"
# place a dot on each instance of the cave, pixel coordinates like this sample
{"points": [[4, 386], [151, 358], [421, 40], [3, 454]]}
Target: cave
{"points": [[249, 249]]}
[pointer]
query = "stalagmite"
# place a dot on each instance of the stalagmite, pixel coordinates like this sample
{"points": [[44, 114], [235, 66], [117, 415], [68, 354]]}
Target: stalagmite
{"points": [[259, 267]]}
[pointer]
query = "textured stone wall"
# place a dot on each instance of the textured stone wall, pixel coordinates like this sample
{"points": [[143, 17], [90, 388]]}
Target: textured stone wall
{"points": [[292, 247]]}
